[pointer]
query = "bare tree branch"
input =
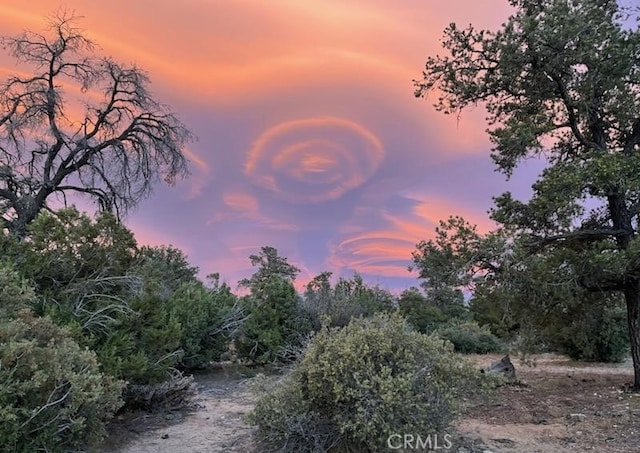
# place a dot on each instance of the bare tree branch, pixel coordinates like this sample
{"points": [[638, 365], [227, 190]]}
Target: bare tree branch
{"points": [[113, 152]]}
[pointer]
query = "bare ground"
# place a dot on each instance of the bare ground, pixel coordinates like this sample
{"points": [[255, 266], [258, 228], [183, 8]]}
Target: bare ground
{"points": [[214, 424], [560, 406], [564, 406]]}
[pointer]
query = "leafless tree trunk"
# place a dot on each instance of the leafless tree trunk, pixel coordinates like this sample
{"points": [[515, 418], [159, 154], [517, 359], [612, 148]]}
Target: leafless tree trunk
{"points": [[82, 124]]}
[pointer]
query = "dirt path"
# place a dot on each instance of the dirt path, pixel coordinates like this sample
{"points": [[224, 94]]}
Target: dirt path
{"points": [[216, 425], [563, 407]]}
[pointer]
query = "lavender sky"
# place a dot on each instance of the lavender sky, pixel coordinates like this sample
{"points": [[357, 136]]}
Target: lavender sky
{"points": [[309, 137]]}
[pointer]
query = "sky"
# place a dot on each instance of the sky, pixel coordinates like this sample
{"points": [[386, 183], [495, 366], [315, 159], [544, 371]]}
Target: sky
{"points": [[309, 137]]}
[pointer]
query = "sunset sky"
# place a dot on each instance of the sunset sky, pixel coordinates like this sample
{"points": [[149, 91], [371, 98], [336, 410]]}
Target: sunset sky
{"points": [[309, 137]]}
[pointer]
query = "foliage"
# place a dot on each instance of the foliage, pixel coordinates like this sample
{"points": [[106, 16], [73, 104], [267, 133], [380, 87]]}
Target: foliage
{"points": [[78, 266], [166, 265], [470, 338], [271, 315], [52, 395], [145, 344], [338, 305], [173, 393], [539, 295], [450, 263], [286, 419], [491, 309], [142, 311], [208, 318], [84, 271], [359, 384], [535, 298], [593, 333], [559, 80], [422, 315], [103, 136], [15, 293], [68, 246], [269, 265], [271, 322]]}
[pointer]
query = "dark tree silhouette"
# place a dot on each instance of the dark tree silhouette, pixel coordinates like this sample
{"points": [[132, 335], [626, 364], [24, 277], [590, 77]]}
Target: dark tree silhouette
{"points": [[79, 123]]}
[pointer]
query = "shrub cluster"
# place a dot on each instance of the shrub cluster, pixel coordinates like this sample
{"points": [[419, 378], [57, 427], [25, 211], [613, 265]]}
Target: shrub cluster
{"points": [[100, 311], [337, 305], [355, 386], [470, 338], [271, 314], [599, 335], [53, 396], [424, 316], [208, 317]]}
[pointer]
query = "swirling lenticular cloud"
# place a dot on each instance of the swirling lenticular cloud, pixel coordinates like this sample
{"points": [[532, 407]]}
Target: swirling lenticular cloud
{"points": [[314, 160], [224, 66], [387, 250], [384, 253]]}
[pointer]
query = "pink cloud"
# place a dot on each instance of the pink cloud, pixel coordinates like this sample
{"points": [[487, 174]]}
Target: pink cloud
{"points": [[387, 249], [313, 160], [293, 101], [242, 206]]}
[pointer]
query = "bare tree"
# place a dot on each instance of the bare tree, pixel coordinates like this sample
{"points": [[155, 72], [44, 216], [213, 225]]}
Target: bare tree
{"points": [[79, 123]]}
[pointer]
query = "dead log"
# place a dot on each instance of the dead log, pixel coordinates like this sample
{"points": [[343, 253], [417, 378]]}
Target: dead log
{"points": [[502, 367], [173, 394]]}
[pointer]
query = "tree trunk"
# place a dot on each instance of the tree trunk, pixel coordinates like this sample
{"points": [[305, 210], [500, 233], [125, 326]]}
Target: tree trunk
{"points": [[621, 219], [632, 298], [27, 209]]}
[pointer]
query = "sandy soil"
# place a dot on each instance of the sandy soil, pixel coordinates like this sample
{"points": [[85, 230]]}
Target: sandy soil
{"points": [[563, 406], [560, 406], [214, 424]]}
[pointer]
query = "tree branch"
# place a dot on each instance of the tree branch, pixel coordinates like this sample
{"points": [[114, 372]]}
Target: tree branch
{"points": [[580, 235]]}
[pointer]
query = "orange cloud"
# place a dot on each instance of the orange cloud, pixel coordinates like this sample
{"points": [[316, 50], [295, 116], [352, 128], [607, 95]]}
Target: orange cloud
{"points": [[314, 160], [19, 18], [387, 251], [433, 209], [232, 50], [373, 254]]}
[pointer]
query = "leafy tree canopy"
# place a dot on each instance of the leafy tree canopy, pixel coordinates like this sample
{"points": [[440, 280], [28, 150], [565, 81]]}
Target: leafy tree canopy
{"points": [[560, 79]]}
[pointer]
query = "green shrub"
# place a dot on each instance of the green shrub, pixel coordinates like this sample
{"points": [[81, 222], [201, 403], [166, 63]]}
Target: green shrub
{"points": [[52, 395], [165, 264], [599, 335], [208, 317], [68, 246], [355, 386], [15, 293], [491, 308], [348, 299], [83, 272], [423, 316], [271, 315], [144, 346], [470, 338]]}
